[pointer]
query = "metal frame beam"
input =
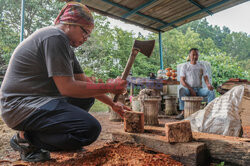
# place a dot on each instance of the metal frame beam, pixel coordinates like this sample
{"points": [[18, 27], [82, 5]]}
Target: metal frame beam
{"points": [[122, 19], [138, 13], [160, 49], [22, 20], [193, 14], [201, 7], [138, 8]]}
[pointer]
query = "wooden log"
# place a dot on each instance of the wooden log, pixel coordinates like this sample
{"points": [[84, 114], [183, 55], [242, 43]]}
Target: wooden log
{"points": [[191, 153], [178, 131], [150, 107], [133, 122], [170, 105], [244, 108], [192, 104], [136, 104], [246, 132], [233, 150], [115, 117]]}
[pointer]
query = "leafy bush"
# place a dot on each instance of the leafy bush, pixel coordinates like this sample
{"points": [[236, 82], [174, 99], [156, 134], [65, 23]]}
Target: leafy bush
{"points": [[224, 67], [99, 107]]}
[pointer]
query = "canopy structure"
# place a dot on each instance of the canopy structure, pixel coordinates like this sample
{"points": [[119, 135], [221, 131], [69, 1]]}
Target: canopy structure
{"points": [[159, 15], [155, 15]]}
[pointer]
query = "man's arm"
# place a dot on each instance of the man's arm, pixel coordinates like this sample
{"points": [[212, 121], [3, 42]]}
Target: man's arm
{"points": [[191, 90], [69, 86], [205, 76], [103, 97], [117, 107], [209, 86]]}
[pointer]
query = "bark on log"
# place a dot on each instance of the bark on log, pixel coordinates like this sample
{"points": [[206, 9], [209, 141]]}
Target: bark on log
{"points": [[115, 117], [191, 153], [192, 104], [150, 107], [134, 122], [178, 131], [233, 150]]}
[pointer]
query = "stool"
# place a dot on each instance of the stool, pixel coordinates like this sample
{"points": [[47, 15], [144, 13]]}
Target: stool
{"points": [[150, 107], [192, 104], [170, 105]]}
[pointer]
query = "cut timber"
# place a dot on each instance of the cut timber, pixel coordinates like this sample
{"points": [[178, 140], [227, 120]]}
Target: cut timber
{"points": [[134, 122], [150, 101], [230, 85], [170, 105], [246, 131], [150, 107], [191, 153], [178, 131], [115, 117], [234, 150], [192, 104], [245, 111]]}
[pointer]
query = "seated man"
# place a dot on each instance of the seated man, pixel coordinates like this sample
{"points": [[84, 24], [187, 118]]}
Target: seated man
{"points": [[191, 78]]}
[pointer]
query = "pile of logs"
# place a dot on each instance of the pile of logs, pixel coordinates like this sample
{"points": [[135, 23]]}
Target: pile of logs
{"points": [[232, 82]]}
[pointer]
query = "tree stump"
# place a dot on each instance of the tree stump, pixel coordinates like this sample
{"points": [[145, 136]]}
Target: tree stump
{"points": [[170, 105], [178, 131], [150, 107], [136, 104], [133, 122], [150, 100], [192, 104], [113, 116]]}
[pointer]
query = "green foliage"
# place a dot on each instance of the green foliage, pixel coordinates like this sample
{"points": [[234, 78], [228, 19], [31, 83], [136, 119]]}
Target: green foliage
{"points": [[38, 14], [106, 52], [224, 67], [221, 164], [99, 107], [237, 45], [232, 43]]}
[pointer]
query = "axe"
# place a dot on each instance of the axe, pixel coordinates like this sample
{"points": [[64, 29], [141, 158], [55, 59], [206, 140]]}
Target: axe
{"points": [[145, 47]]}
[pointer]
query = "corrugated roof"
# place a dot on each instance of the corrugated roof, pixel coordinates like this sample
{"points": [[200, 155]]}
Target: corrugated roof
{"points": [[159, 15]]}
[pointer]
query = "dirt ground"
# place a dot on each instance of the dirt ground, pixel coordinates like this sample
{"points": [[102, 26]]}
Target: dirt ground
{"points": [[101, 152]]}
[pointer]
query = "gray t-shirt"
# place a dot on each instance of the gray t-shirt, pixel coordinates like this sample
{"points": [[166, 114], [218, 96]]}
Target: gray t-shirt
{"points": [[28, 82], [193, 74]]}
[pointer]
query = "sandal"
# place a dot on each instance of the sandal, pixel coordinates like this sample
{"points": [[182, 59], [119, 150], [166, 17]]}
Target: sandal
{"points": [[27, 151]]}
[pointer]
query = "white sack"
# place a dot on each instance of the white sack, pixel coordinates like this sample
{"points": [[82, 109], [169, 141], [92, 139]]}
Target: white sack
{"points": [[221, 116]]}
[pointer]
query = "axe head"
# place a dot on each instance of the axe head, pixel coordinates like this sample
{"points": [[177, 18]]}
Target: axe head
{"points": [[145, 47]]}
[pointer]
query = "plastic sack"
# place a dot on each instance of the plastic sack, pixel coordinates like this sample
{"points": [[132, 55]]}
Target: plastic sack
{"points": [[221, 116]]}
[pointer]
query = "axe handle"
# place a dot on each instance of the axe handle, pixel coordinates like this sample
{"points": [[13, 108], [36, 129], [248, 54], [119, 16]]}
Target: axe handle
{"points": [[127, 68]]}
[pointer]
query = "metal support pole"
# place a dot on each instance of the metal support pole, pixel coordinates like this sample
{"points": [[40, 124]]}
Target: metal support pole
{"points": [[160, 46], [22, 20]]}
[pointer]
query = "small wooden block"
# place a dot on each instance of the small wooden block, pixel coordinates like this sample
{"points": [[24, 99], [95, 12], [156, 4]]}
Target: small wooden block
{"points": [[133, 122], [178, 131]]}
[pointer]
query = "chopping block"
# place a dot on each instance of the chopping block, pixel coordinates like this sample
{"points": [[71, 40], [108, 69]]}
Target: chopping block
{"points": [[188, 153]]}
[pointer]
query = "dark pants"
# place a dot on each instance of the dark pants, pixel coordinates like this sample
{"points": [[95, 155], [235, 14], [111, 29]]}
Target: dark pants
{"points": [[61, 124]]}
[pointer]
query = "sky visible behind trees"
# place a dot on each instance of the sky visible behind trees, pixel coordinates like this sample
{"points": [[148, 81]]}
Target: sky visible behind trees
{"points": [[106, 52]]}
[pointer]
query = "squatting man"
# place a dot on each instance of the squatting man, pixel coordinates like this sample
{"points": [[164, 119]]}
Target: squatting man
{"points": [[45, 94]]}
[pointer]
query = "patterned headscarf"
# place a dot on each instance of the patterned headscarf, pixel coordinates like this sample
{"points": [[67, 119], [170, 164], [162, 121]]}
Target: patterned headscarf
{"points": [[75, 13]]}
